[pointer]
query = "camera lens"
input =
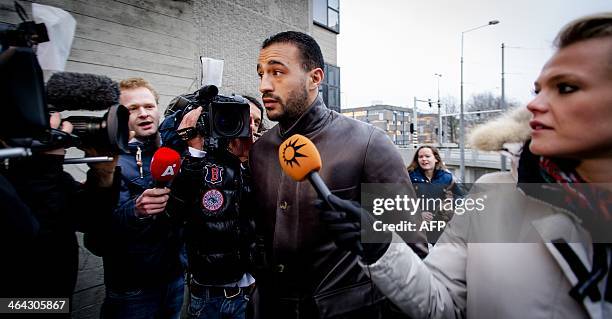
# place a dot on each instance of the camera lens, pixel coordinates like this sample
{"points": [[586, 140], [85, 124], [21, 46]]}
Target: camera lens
{"points": [[228, 122]]}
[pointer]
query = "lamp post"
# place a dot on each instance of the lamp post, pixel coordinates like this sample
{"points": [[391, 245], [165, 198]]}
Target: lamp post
{"points": [[438, 75], [461, 122]]}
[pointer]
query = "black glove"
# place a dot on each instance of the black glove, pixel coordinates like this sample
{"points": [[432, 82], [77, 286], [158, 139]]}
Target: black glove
{"points": [[345, 224]]}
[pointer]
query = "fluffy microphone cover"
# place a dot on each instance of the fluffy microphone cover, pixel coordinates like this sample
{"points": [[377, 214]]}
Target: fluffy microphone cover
{"points": [[165, 164], [81, 91]]}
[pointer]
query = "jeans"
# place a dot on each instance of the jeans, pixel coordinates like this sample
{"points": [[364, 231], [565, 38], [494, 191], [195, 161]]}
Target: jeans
{"points": [[206, 307], [159, 302]]}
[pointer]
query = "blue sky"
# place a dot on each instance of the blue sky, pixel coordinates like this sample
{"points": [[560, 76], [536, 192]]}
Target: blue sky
{"points": [[389, 50]]}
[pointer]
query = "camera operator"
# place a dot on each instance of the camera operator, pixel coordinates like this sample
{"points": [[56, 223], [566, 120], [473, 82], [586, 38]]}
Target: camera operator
{"points": [[140, 247], [57, 206], [211, 195]]}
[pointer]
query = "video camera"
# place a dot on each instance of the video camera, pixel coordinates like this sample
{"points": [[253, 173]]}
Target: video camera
{"points": [[25, 119], [223, 117]]}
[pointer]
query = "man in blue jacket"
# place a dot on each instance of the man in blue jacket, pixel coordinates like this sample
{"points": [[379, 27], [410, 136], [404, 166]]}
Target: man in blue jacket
{"points": [[143, 272]]}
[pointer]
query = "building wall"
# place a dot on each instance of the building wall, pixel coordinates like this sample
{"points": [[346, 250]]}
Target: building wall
{"points": [[145, 38], [327, 42], [234, 30], [382, 116], [163, 40], [427, 128]]}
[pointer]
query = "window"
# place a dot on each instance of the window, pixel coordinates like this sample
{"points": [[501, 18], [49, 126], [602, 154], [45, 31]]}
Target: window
{"points": [[331, 87], [326, 13]]}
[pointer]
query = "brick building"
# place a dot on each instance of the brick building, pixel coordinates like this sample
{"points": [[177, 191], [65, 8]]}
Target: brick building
{"points": [[394, 120]]}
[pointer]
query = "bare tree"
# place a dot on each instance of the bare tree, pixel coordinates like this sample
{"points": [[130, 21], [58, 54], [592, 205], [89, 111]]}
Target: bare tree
{"points": [[485, 101]]}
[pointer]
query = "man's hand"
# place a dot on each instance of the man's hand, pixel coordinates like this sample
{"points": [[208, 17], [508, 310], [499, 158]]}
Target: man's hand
{"points": [[345, 223], [55, 121], [241, 146], [103, 171], [151, 202], [428, 216], [190, 120]]}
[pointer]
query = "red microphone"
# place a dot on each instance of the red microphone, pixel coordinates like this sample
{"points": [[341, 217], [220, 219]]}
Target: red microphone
{"points": [[165, 165]]}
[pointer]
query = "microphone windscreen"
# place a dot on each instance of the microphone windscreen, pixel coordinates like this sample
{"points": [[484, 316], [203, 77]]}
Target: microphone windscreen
{"points": [[298, 156], [81, 91], [165, 164]]}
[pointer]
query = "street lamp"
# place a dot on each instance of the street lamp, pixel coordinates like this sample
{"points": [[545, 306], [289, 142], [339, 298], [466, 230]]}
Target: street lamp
{"points": [[438, 75], [461, 122]]}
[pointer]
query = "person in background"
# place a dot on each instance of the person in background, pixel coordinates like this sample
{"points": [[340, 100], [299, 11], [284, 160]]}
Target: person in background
{"points": [[431, 179]]}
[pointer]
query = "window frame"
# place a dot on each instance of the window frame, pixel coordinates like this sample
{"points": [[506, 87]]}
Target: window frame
{"points": [[325, 88], [327, 12]]}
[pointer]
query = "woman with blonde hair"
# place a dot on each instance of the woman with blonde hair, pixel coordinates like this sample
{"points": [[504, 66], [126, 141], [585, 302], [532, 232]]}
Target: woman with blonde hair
{"points": [[431, 179], [542, 248]]}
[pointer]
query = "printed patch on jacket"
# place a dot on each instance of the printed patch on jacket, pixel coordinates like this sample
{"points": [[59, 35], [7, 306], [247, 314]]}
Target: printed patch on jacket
{"points": [[214, 174], [212, 200]]}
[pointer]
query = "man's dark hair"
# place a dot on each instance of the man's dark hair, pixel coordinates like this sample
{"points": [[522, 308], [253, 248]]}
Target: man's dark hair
{"points": [[309, 48], [261, 110]]}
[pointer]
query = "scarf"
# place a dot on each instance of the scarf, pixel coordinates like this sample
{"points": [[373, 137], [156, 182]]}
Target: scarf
{"points": [[580, 196]]}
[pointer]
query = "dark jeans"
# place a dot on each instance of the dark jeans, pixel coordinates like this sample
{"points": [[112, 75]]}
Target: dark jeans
{"points": [[204, 306], [160, 302]]}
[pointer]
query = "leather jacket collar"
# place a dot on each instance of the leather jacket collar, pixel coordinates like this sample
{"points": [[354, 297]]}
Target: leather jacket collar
{"points": [[314, 118]]}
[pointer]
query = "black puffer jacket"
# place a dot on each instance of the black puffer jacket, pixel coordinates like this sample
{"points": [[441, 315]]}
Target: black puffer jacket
{"points": [[210, 196]]}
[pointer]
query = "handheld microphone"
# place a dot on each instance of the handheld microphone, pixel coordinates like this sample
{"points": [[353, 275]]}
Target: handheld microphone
{"points": [[81, 91], [165, 165], [300, 159]]}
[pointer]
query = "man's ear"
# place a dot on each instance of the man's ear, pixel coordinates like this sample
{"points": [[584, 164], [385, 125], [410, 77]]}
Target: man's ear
{"points": [[316, 78]]}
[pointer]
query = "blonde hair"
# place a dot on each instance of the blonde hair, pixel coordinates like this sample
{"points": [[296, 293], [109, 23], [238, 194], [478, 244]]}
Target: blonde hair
{"points": [[137, 82], [588, 27]]}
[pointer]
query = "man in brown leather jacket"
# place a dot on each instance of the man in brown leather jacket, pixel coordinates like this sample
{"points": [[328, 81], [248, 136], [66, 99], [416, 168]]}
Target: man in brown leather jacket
{"points": [[306, 274]]}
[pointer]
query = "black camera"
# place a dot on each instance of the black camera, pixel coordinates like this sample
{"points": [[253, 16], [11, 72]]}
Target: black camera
{"points": [[223, 117], [26, 102], [68, 91]]}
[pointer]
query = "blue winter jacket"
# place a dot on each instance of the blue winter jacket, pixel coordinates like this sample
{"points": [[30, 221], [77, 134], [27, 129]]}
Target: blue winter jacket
{"points": [[145, 252], [440, 177]]}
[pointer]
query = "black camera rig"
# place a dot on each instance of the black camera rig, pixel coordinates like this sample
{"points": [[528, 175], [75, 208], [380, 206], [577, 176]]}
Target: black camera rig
{"points": [[223, 117]]}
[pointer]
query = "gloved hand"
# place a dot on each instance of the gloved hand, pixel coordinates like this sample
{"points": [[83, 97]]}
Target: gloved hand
{"points": [[345, 222]]}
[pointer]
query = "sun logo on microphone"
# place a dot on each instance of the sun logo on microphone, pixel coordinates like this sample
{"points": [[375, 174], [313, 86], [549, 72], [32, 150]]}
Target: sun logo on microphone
{"points": [[290, 153]]}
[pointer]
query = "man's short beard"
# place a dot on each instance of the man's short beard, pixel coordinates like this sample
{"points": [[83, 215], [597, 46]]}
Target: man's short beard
{"points": [[294, 107]]}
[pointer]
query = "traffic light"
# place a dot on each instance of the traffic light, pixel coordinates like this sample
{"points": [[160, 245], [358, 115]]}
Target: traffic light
{"points": [[411, 128]]}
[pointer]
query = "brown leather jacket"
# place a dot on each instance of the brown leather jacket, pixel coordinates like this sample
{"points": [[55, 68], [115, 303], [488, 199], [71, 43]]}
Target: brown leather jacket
{"points": [[307, 275]]}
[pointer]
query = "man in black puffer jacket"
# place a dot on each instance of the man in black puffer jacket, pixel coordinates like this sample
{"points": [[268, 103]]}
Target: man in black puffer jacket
{"points": [[210, 197]]}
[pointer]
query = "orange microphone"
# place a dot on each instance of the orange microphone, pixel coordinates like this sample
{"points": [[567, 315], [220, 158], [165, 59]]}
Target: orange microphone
{"points": [[300, 159]]}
